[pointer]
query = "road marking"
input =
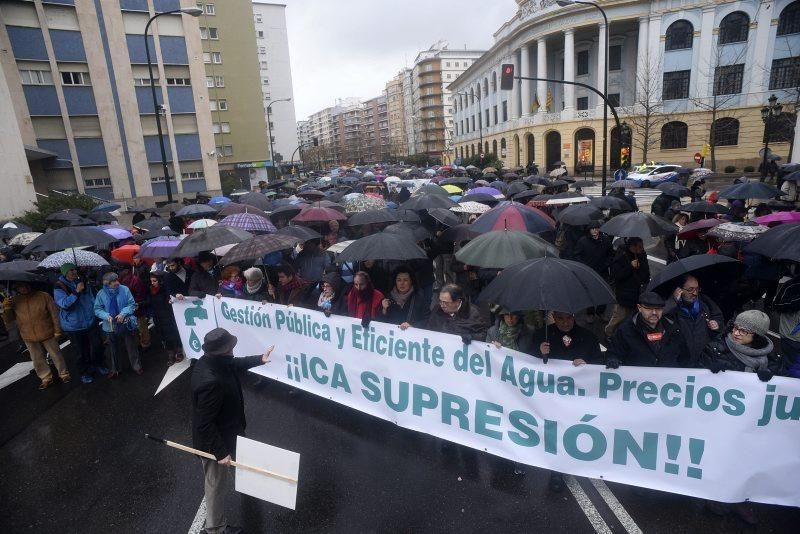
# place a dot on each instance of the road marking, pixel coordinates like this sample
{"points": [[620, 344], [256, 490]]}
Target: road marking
{"points": [[16, 372], [199, 518], [173, 371], [657, 260], [586, 505], [616, 507]]}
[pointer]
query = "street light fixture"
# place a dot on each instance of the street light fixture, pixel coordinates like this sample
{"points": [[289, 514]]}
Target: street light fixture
{"points": [[193, 12], [769, 113], [269, 133], [565, 3]]}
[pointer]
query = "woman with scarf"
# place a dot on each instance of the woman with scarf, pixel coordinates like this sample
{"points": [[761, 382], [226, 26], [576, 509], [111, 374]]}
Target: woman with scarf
{"points": [[330, 297], [406, 305], [254, 287], [511, 332], [115, 307], [363, 300], [158, 300], [231, 283]]}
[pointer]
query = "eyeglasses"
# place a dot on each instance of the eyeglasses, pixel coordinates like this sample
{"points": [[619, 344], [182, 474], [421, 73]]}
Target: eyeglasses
{"points": [[742, 331], [447, 302], [691, 289]]}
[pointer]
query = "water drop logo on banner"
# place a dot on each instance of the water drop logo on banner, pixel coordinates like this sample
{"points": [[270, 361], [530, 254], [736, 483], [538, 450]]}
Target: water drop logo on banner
{"points": [[199, 316]]}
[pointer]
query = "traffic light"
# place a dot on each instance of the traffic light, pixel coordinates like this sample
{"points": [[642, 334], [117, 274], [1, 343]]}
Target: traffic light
{"points": [[507, 77], [624, 157]]}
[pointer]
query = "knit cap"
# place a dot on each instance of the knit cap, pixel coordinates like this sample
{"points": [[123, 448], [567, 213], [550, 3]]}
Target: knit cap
{"points": [[753, 320], [253, 274], [67, 267]]}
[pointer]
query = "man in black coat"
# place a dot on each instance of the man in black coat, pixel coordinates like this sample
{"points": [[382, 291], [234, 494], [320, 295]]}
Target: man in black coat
{"points": [[630, 271], [699, 317], [455, 316], [203, 282], [564, 340], [218, 416], [648, 339]]}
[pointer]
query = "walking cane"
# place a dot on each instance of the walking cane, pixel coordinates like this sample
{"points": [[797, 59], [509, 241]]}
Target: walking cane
{"points": [[209, 456]]}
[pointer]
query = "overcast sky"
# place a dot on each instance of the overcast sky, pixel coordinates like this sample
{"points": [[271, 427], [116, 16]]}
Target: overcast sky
{"points": [[342, 48]]}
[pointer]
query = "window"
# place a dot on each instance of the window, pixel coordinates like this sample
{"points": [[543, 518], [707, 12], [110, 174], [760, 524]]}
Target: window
{"points": [[36, 77], [194, 175], [781, 129], [75, 78], [216, 57], [260, 34], [209, 9], [144, 82], [203, 33], [156, 179], [583, 103], [224, 150], [486, 118], [679, 35], [221, 127], [485, 87], [728, 80], [209, 81], [725, 132], [734, 28], [262, 49], [97, 182], [179, 81], [212, 104], [213, 34], [472, 122], [505, 110], [206, 57], [447, 64], [265, 81], [789, 21], [447, 76], [271, 124], [219, 81], [615, 57], [258, 17], [676, 85], [222, 104], [583, 63], [263, 64], [614, 99], [494, 113], [456, 64], [674, 135], [785, 73]]}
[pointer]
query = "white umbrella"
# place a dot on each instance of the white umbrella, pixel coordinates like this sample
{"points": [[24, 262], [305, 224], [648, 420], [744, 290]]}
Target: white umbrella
{"points": [[571, 200], [224, 249], [337, 248], [24, 239], [470, 207], [81, 258], [202, 223], [561, 171]]}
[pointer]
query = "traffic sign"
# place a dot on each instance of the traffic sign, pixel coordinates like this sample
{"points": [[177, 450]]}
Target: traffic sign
{"points": [[698, 157], [620, 174]]}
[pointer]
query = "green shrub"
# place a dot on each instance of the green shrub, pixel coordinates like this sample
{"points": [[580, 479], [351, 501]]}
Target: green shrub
{"points": [[54, 202], [730, 169], [749, 168]]}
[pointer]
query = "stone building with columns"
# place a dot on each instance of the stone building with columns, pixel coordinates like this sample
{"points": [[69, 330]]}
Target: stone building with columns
{"points": [[682, 74]]}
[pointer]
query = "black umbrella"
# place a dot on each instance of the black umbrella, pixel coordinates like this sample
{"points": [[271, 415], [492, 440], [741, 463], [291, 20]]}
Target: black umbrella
{"points": [[66, 216], [526, 195], [610, 202], [380, 216], [288, 211], [674, 190], [444, 216], [516, 187], [498, 250], [579, 215], [20, 271], [107, 206], [258, 246], [256, 200], [459, 233], [714, 266], [702, 206], [232, 207], [202, 211], [537, 180], [301, 232], [779, 243], [413, 230], [206, 239], [152, 224], [70, 236], [273, 185], [584, 183], [426, 202], [548, 284], [459, 180], [483, 198], [404, 215], [382, 246], [748, 190], [638, 224], [11, 231], [102, 217]]}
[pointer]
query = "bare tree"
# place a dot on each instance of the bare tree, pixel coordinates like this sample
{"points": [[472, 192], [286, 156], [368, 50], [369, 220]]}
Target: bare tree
{"points": [[646, 116], [785, 79]]}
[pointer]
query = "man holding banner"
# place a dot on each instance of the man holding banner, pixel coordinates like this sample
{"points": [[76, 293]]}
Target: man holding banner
{"points": [[218, 416]]}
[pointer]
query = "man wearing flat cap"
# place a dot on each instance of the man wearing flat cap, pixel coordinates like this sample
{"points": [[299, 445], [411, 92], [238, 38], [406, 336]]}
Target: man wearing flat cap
{"points": [[648, 338], [218, 416]]}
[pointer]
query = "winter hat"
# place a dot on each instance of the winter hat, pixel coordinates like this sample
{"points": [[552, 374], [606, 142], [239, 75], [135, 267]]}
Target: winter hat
{"points": [[593, 224], [651, 300], [753, 320], [253, 274], [67, 267]]}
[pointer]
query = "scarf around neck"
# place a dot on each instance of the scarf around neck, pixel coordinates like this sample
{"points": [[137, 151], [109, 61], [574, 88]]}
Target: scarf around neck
{"points": [[254, 289], [400, 298], [692, 311], [753, 359], [509, 334]]}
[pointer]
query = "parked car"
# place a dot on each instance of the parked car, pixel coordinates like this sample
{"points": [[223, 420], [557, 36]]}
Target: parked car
{"points": [[652, 175]]}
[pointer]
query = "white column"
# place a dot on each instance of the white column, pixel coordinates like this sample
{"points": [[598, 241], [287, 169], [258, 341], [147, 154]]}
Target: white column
{"points": [[525, 85], [796, 150], [541, 72], [643, 61], [516, 90], [655, 53], [704, 57], [761, 62], [569, 70], [601, 61]]}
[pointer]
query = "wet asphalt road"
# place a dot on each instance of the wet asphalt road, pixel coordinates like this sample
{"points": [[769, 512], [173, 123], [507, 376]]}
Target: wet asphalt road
{"points": [[73, 459]]}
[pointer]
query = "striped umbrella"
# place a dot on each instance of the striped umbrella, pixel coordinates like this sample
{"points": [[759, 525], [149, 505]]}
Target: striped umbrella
{"points": [[514, 216], [250, 222]]}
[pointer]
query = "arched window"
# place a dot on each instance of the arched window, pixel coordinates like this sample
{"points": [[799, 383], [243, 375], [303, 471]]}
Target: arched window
{"points": [[502, 147], [679, 35], [725, 132], [485, 87], [486, 147], [494, 82], [789, 21], [494, 148], [471, 99], [734, 28], [674, 135]]}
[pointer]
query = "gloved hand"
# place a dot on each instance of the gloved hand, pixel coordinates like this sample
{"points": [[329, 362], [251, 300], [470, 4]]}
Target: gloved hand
{"points": [[612, 363], [715, 366], [466, 340], [365, 322], [765, 375]]}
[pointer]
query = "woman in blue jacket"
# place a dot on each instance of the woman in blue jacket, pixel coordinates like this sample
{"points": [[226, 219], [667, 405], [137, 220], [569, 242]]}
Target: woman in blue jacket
{"points": [[116, 307]]}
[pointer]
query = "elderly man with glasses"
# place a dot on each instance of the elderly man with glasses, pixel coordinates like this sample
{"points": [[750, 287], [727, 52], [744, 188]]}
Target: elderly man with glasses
{"points": [[456, 316], [699, 317]]}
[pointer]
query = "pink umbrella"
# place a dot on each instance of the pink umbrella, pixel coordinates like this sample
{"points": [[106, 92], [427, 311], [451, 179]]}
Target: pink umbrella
{"points": [[780, 217], [692, 229]]}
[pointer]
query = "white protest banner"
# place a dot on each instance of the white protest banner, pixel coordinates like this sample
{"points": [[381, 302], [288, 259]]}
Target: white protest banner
{"points": [[727, 437]]}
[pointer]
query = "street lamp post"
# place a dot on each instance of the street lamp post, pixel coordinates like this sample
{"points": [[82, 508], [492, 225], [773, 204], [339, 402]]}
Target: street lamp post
{"points": [[769, 113], [269, 133], [564, 3], [480, 116], [194, 12]]}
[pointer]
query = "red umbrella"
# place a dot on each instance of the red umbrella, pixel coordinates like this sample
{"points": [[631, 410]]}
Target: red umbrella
{"points": [[125, 253], [691, 230], [315, 214]]}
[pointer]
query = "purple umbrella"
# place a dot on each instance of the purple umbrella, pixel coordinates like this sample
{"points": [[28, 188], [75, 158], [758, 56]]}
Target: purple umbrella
{"points": [[160, 247], [249, 222], [117, 232], [486, 190]]}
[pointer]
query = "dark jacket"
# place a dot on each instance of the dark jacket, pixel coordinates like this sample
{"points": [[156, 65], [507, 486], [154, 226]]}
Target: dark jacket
{"points": [[175, 285], [261, 295], [416, 311], [630, 346], [696, 333], [202, 284], [628, 282], [466, 321], [718, 357], [164, 320], [581, 344], [524, 339], [595, 253], [217, 402], [661, 204]]}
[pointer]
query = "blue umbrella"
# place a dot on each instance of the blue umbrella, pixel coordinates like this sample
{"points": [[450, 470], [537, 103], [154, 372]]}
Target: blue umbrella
{"points": [[219, 200], [107, 207]]}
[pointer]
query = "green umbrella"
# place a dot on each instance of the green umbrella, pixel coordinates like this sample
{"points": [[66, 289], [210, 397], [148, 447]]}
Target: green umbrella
{"points": [[498, 250]]}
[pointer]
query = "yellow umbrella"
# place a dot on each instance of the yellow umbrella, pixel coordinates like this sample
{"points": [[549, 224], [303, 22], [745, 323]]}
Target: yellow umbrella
{"points": [[453, 189]]}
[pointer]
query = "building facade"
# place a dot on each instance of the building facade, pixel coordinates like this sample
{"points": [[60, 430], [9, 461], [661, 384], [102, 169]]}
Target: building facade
{"points": [[375, 136], [688, 77], [78, 81], [276, 76], [432, 102], [398, 143]]}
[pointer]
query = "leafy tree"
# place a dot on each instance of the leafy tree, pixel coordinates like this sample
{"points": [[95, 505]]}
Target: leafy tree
{"points": [[44, 206], [490, 159], [229, 182]]}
